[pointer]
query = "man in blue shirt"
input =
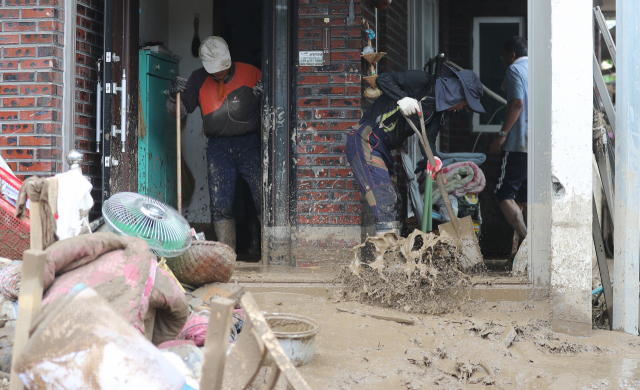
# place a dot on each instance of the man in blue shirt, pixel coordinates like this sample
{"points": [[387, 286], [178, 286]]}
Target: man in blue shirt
{"points": [[511, 141]]}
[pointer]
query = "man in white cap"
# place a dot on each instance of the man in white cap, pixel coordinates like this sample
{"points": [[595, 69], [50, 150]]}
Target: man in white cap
{"points": [[224, 91]]}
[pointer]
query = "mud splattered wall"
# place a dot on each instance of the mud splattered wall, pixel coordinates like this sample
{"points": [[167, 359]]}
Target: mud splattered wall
{"points": [[456, 41], [31, 39], [89, 48]]}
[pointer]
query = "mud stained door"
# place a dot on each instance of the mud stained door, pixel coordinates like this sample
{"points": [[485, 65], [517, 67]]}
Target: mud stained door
{"points": [[120, 60]]}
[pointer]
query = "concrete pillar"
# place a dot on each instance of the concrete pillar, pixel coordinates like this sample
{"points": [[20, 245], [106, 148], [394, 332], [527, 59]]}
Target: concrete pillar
{"points": [[627, 183], [571, 129]]}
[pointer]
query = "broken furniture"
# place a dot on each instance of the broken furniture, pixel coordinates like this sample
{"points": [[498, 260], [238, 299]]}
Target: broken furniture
{"points": [[257, 340]]}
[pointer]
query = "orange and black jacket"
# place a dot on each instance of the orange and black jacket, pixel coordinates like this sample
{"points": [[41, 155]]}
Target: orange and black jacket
{"points": [[235, 110]]}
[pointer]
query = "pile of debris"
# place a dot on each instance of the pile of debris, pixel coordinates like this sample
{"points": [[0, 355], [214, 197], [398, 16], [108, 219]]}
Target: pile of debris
{"points": [[422, 273]]}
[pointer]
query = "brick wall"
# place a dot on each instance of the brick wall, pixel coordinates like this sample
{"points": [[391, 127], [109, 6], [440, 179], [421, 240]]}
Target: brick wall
{"points": [[393, 37], [89, 48], [456, 41], [329, 101], [31, 40]]}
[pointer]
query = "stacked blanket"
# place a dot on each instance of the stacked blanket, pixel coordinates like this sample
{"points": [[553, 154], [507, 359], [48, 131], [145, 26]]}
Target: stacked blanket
{"points": [[462, 178]]}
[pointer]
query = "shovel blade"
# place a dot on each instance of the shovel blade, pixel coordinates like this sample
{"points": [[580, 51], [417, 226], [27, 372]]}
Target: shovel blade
{"points": [[465, 239]]}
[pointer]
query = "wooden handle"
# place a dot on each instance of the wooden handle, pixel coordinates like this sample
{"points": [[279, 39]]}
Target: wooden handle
{"points": [[439, 177], [179, 146]]}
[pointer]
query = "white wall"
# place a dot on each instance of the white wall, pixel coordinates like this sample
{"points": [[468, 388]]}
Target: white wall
{"points": [[154, 18], [194, 143], [571, 155]]}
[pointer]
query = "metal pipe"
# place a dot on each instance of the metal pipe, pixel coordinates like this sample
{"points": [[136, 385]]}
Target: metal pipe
{"points": [[489, 92], [123, 110], [626, 265], [99, 117]]}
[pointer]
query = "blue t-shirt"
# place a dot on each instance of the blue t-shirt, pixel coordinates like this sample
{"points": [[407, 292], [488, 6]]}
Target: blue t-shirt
{"points": [[516, 81]]}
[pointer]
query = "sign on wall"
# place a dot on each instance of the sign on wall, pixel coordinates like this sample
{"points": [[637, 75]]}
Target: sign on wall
{"points": [[311, 58]]}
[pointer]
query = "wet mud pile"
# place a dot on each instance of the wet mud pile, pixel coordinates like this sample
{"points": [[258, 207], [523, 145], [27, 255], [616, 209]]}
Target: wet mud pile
{"points": [[419, 274]]}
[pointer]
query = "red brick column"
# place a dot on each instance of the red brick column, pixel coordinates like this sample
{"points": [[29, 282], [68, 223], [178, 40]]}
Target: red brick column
{"points": [[329, 102], [31, 40]]}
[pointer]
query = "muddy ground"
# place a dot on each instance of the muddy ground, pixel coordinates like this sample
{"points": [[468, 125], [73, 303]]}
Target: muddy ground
{"points": [[449, 351]]}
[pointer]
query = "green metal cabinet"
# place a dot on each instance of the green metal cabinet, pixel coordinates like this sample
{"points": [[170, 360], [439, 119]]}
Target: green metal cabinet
{"points": [[157, 154]]}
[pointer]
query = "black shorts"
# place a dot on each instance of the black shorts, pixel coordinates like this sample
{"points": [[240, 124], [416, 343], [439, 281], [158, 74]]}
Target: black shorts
{"points": [[512, 183]]}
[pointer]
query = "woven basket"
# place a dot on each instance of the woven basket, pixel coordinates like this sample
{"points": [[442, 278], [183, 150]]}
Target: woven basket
{"points": [[372, 93], [371, 80], [204, 262]]}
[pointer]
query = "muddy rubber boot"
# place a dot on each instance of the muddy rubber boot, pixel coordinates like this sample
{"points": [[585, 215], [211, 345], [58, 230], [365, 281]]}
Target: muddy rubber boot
{"points": [[254, 233], [226, 232], [388, 227]]}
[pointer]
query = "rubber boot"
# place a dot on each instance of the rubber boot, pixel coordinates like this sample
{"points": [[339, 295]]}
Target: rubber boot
{"points": [[226, 232], [388, 227], [254, 235]]}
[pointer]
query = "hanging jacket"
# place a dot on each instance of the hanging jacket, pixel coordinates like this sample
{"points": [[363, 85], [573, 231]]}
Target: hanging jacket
{"points": [[416, 84], [236, 112]]}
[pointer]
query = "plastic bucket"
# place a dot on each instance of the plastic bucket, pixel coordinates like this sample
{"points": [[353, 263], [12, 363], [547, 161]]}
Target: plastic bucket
{"points": [[297, 336]]}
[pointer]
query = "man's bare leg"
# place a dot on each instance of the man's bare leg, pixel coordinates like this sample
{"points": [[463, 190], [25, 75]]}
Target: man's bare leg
{"points": [[513, 215]]}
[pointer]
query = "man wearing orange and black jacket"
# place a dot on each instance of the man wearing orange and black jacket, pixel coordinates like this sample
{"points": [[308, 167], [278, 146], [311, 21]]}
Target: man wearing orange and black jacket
{"points": [[229, 96]]}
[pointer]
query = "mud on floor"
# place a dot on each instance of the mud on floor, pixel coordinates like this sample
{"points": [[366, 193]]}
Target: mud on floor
{"points": [[457, 350], [419, 274]]}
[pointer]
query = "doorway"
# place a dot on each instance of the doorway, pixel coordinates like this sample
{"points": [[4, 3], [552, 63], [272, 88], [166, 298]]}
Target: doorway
{"points": [[171, 30]]}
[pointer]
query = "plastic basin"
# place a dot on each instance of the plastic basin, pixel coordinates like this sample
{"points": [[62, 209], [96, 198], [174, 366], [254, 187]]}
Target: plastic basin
{"points": [[297, 336]]}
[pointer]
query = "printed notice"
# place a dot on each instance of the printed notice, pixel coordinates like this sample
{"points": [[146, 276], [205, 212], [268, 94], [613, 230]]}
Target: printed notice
{"points": [[310, 58]]}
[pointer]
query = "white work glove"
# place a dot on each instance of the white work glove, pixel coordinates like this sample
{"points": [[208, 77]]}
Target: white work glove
{"points": [[409, 106]]}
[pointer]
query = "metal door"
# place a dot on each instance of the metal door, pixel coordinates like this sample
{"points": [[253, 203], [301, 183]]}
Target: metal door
{"points": [[120, 77], [157, 153]]}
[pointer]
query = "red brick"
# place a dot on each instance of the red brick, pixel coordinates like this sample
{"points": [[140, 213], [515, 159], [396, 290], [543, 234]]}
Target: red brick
{"points": [[344, 172], [18, 102], [36, 167], [313, 172], [37, 115], [311, 102], [313, 11], [39, 38], [9, 13], [37, 89], [345, 102], [17, 154], [38, 64], [332, 21], [21, 51], [342, 126], [305, 23], [305, 184], [329, 161], [48, 128], [18, 76], [29, 13], [345, 219], [354, 90], [313, 126], [330, 184], [8, 89], [8, 141], [347, 196], [313, 149], [345, 56], [46, 101], [343, 10], [8, 115], [17, 128], [18, 26], [46, 77], [50, 154], [313, 219], [333, 114], [37, 141], [310, 34], [313, 79], [346, 32], [313, 196], [328, 208], [353, 209], [352, 185], [315, 91], [5, 65], [346, 78], [8, 39]]}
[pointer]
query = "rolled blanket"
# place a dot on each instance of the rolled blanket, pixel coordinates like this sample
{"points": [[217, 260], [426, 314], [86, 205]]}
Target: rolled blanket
{"points": [[462, 178]]}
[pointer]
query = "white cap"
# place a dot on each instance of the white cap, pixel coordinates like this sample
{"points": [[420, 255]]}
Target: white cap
{"points": [[214, 54]]}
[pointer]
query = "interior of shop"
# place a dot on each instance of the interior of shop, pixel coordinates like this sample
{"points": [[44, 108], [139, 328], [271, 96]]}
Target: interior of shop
{"points": [[174, 28]]}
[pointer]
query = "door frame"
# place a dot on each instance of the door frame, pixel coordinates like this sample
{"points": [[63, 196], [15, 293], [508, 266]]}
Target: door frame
{"points": [[279, 123]]}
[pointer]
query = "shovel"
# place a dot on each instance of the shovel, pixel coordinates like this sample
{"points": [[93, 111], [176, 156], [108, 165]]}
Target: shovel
{"points": [[462, 229]]}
